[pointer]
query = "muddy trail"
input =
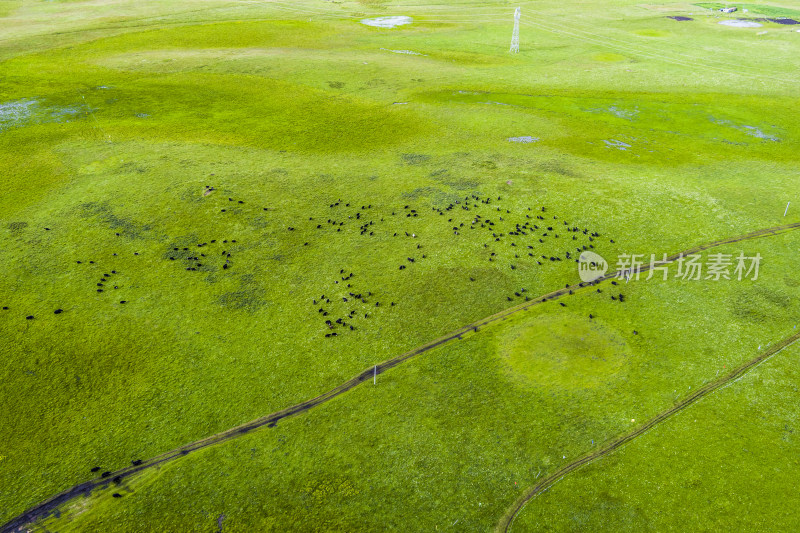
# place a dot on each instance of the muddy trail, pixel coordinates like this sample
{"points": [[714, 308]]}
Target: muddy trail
{"points": [[505, 523], [50, 506]]}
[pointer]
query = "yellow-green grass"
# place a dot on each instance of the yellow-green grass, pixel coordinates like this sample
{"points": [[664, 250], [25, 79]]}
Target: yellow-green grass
{"points": [[293, 111], [726, 463], [457, 434]]}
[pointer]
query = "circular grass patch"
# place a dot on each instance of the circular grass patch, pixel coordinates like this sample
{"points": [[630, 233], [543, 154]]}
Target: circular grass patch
{"points": [[564, 351]]}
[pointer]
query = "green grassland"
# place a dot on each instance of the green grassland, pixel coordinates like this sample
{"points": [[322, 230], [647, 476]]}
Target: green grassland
{"points": [[656, 134], [708, 456], [458, 433]]}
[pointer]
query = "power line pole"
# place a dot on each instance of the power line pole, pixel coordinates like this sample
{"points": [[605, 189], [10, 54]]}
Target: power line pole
{"points": [[515, 35]]}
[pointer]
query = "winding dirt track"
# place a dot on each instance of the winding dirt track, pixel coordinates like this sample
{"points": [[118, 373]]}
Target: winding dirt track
{"points": [[505, 523], [47, 507]]}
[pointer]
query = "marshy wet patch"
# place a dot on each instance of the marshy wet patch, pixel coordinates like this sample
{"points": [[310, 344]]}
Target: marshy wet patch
{"points": [[16, 113], [525, 139], [614, 143], [755, 132], [617, 111], [738, 23], [752, 131], [30, 111], [387, 22], [406, 52]]}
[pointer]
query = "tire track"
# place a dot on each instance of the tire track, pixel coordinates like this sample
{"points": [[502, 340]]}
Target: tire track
{"points": [[44, 509], [505, 523]]}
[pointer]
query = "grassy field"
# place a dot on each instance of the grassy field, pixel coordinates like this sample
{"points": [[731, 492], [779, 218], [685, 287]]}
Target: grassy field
{"points": [[733, 457], [761, 9], [192, 189]]}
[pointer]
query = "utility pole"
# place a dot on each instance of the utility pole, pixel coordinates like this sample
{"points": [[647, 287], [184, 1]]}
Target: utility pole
{"points": [[515, 35]]}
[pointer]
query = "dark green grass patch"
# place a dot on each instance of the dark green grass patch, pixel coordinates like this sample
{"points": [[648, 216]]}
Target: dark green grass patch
{"points": [[455, 435]]}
